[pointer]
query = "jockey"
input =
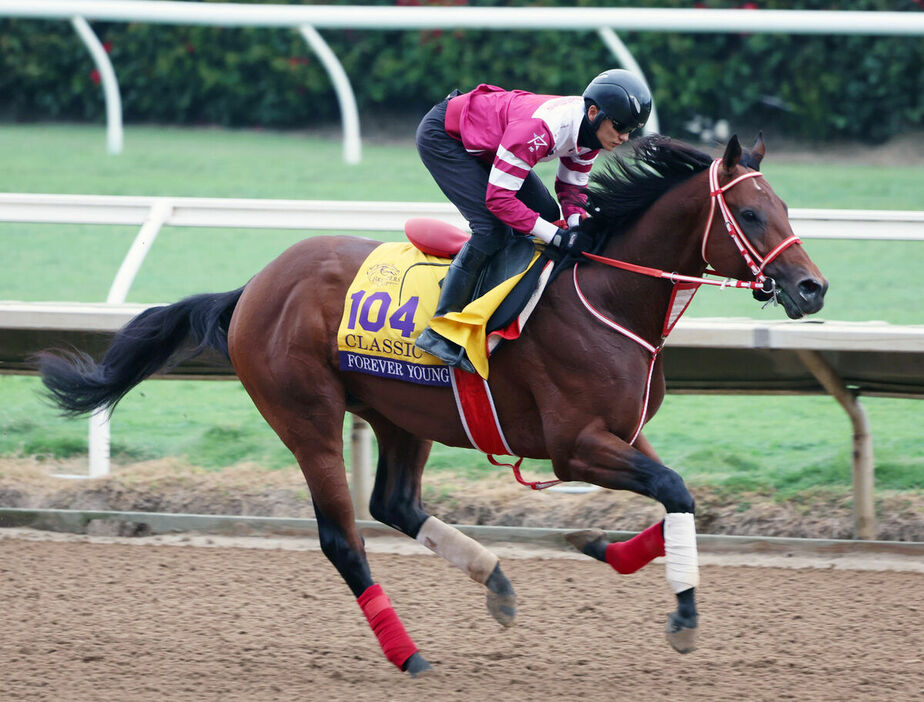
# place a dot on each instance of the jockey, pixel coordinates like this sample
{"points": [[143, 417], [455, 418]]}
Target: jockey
{"points": [[481, 147]]}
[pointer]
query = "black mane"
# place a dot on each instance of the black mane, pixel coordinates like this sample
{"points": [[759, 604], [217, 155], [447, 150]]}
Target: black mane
{"points": [[626, 187]]}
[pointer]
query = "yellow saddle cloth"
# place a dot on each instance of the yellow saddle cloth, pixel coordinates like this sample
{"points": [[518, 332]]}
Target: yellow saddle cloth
{"points": [[392, 299]]}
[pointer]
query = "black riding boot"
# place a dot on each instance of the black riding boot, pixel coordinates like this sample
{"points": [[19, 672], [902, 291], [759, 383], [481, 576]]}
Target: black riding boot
{"points": [[458, 288]]}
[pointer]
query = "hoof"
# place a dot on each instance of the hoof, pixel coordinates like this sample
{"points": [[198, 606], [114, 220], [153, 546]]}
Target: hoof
{"points": [[681, 633], [501, 598], [503, 607], [580, 539], [591, 542], [417, 665]]}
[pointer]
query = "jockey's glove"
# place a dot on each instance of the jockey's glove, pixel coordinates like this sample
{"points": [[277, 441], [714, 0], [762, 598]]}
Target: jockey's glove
{"points": [[572, 241]]}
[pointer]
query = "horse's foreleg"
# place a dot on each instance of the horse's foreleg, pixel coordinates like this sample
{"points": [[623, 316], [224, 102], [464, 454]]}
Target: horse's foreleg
{"points": [[602, 458], [396, 502], [644, 445], [624, 556]]}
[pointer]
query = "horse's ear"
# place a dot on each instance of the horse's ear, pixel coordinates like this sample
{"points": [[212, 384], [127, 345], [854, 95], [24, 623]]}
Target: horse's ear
{"points": [[732, 153], [759, 150]]}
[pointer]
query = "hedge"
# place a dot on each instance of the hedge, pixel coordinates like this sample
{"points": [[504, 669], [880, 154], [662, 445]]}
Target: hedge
{"points": [[817, 87]]}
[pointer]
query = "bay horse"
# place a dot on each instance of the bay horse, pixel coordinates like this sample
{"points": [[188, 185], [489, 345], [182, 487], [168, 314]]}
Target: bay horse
{"points": [[575, 388]]}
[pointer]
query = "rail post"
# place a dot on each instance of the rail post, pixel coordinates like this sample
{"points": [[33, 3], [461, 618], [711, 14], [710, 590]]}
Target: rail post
{"points": [[118, 291], [108, 79], [863, 464], [349, 114]]}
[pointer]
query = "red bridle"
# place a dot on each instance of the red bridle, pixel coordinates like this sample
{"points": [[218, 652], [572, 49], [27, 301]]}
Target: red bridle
{"points": [[755, 262], [747, 250]]}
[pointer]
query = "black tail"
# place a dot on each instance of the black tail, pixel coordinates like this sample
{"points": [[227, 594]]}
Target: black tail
{"points": [[157, 338]]}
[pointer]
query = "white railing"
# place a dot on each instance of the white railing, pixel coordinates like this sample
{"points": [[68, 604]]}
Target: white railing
{"points": [[495, 18], [345, 215], [308, 18]]}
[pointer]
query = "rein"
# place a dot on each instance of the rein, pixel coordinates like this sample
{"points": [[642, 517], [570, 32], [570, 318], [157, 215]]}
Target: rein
{"points": [[747, 250], [685, 286]]}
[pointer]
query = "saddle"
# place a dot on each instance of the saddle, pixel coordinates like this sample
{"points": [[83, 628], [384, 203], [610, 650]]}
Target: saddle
{"points": [[438, 238], [393, 297]]}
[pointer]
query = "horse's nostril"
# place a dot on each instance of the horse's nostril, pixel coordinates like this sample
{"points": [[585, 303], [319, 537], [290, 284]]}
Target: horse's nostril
{"points": [[809, 289]]}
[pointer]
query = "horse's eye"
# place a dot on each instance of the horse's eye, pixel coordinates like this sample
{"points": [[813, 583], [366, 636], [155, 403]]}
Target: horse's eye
{"points": [[749, 215]]}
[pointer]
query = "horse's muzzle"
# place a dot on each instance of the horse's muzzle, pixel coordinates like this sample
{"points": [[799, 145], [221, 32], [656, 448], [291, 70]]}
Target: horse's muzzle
{"points": [[805, 297], [812, 292]]}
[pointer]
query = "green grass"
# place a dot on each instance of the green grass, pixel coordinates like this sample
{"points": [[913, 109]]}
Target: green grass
{"points": [[824, 184], [783, 443], [206, 163]]}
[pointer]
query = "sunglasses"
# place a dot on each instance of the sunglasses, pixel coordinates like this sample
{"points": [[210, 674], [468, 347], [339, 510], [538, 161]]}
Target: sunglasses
{"points": [[624, 128]]}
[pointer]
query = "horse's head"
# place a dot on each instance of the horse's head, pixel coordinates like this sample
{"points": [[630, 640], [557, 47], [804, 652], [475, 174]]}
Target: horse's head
{"points": [[749, 236]]}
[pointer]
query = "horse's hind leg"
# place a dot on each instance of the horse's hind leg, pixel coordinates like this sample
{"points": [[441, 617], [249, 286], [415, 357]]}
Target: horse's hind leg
{"points": [[343, 546], [310, 423], [396, 502]]}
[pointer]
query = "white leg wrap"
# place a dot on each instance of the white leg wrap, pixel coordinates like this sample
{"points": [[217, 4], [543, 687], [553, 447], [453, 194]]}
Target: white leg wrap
{"points": [[457, 548], [680, 551]]}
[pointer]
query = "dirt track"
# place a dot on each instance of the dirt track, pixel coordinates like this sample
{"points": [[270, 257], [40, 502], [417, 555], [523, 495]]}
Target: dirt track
{"points": [[87, 621]]}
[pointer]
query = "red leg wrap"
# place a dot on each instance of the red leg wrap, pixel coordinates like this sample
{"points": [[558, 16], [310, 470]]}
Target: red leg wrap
{"points": [[388, 629], [628, 556]]}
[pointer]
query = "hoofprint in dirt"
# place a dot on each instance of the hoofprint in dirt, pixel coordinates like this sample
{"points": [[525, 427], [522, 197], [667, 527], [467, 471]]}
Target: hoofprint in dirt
{"points": [[173, 486], [114, 621]]}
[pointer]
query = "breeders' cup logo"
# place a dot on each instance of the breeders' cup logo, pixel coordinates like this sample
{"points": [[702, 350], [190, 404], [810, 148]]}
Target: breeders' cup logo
{"points": [[383, 274]]}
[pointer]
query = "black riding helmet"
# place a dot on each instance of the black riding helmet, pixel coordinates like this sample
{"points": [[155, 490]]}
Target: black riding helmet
{"points": [[622, 97]]}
